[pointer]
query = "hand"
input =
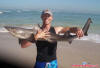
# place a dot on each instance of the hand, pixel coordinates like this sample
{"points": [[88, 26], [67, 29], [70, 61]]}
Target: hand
{"points": [[42, 34], [79, 32]]}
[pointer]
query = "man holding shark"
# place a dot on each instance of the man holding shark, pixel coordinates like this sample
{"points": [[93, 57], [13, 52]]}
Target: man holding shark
{"points": [[46, 51]]}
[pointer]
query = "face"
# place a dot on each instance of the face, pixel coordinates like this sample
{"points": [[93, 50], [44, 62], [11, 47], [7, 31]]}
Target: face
{"points": [[46, 18]]}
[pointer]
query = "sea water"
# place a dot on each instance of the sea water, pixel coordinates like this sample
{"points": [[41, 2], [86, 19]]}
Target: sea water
{"points": [[27, 19]]}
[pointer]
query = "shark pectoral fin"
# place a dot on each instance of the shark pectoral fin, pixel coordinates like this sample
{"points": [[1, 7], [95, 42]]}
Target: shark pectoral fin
{"points": [[31, 38], [20, 40], [67, 33], [70, 41]]}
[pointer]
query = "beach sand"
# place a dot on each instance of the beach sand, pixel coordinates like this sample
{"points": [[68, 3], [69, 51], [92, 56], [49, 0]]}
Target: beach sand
{"points": [[11, 53]]}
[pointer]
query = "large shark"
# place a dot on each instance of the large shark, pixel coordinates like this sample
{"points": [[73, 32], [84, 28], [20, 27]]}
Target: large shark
{"points": [[28, 34]]}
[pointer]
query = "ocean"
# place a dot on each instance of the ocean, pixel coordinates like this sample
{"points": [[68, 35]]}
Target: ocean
{"points": [[27, 19]]}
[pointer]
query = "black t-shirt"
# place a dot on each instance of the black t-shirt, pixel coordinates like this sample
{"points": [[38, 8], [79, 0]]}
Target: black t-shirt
{"points": [[46, 51]]}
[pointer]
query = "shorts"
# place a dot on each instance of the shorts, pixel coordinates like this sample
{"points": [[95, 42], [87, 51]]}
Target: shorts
{"points": [[52, 64]]}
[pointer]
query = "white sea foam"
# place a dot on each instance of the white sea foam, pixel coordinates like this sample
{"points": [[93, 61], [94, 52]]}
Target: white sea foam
{"points": [[3, 30], [19, 11], [1, 12], [92, 37]]}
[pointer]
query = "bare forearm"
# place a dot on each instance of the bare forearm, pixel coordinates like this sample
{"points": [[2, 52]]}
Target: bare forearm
{"points": [[63, 30], [24, 43], [71, 29]]}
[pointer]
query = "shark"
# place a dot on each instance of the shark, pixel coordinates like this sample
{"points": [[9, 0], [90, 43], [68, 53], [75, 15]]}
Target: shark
{"points": [[28, 34]]}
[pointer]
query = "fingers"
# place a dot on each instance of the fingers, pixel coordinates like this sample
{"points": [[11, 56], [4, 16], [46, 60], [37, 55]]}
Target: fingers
{"points": [[47, 34], [79, 33], [44, 34]]}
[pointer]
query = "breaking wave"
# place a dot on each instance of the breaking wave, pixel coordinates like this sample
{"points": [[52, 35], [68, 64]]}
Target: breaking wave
{"points": [[92, 37], [1, 12]]}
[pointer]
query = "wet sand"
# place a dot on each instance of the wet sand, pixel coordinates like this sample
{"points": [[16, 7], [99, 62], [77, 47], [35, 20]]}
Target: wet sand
{"points": [[79, 51]]}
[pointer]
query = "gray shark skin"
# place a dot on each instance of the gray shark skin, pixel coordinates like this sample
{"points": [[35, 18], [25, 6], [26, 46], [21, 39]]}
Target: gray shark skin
{"points": [[22, 32], [86, 26], [28, 34]]}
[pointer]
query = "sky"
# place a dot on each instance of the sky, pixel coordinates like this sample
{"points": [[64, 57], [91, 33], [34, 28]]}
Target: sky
{"points": [[86, 6]]}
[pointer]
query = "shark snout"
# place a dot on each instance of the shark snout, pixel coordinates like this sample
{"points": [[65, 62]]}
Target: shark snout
{"points": [[7, 27]]}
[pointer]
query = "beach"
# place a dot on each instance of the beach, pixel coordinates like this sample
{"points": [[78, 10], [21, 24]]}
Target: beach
{"points": [[81, 53], [78, 52]]}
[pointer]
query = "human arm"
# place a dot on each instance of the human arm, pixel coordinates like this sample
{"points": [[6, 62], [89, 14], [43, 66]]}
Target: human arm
{"points": [[24, 43], [78, 31]]}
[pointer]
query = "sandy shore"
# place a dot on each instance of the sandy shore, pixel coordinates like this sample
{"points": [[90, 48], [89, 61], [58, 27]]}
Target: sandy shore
{"points": [[68, 55]]}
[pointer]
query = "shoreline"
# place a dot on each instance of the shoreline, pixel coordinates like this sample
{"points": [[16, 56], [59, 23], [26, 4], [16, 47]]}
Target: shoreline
{"points": [[78, 52]]}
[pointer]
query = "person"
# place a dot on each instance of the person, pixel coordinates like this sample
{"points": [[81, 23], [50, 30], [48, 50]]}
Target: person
{"points": [[46, 51]]}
